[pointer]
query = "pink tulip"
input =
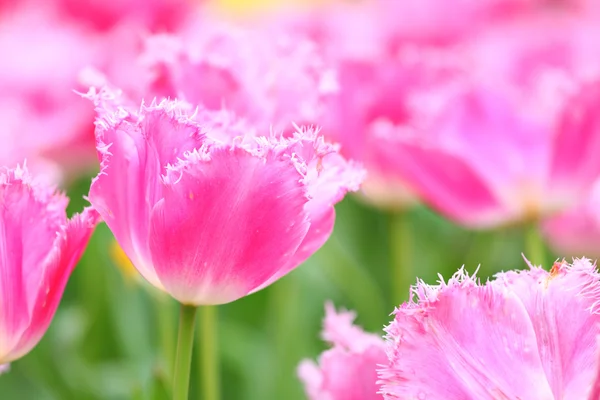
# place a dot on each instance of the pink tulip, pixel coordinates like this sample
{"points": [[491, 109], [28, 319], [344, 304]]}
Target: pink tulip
{"points": [[208, 211], [510, 141], [42, 120], [347, 371], [40, 248], [268, 80], [576, 232], [525, 335]]}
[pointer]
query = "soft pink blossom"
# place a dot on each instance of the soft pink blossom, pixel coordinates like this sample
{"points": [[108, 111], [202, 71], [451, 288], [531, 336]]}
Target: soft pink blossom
{"points": [[102, 15], [525, 335], [42, 119], [482, 162], [269, 80], [39, 249], [347, 371], [206, 209], [511, 139], [576, 231]]}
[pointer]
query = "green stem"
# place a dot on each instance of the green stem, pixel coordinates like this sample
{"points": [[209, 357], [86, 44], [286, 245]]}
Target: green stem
{"points": [[402, 270], [167, 333], [534, 245], [183, 358], [210, 381]]}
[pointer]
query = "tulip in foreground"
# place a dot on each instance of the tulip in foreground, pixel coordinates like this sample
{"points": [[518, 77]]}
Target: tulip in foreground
{"points": [[39, 249], [525, 335], [206, 210], [347, 371]]}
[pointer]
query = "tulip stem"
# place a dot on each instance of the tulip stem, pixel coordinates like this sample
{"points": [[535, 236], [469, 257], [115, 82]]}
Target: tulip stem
{"points": [[208, 353], [400, 244], [534, 245], [183, 357]]}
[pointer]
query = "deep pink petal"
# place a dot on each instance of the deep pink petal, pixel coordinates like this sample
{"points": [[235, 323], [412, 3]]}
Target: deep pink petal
{"points": [[448, 183], [226, 225], [58, 265], [39, 248], [328, 179], [30, 216]]}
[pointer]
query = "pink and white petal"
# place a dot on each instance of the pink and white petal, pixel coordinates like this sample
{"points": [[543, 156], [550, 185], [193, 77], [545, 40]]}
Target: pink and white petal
{"points": [[25, 242], [595, 389], [464, 341], [575, 164], [444, 181], [4, 368], [351, 376], [60, 262], [312, 377], [227, 224], [565, 297], [339, 329], [124, 190], [328, 179]]}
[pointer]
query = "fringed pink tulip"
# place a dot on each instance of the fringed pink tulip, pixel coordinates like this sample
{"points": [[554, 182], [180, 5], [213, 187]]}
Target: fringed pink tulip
{"points": [[347, 371], [40, 248], [576, 232], [268, 80], [208, 211], [525, 335]]}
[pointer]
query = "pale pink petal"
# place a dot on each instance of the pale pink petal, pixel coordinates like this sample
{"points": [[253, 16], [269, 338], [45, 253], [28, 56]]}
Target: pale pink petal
{"points": [[348, 371], [575, 164], [562, 306], [576, 231], [525, 335], [464, 343], [226, 225], [595, 390]]}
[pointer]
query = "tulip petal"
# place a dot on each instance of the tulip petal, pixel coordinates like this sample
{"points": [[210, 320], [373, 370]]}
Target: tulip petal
{"points": [[66, 252], [446, 182], [227, 224], [134, 153], [466, 342]]}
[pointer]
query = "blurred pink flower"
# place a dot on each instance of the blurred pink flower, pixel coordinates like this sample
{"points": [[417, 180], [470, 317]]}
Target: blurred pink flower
{"points": [[347, 371], [40, 248], [576, 232], [42, 119], [483, 163], [207, 210], [103, 15], [271, 81], [525, 335]]}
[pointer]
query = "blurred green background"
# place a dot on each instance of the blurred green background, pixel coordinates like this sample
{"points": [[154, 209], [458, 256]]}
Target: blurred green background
{"points": [[113, 336]]}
